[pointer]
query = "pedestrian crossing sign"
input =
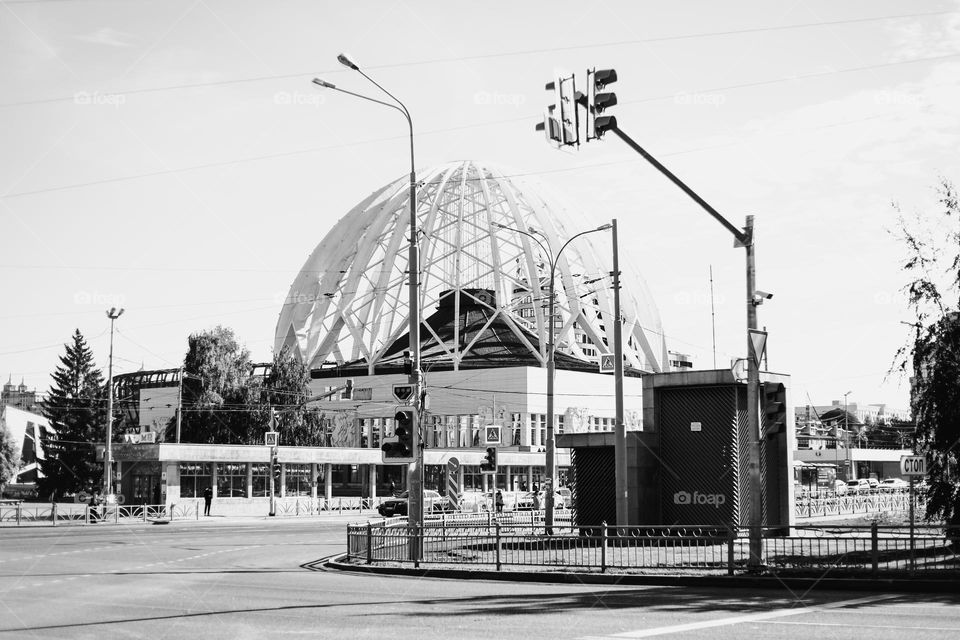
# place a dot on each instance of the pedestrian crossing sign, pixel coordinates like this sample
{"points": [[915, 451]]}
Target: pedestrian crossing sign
{"points": [[607, 363], [492, 434]]}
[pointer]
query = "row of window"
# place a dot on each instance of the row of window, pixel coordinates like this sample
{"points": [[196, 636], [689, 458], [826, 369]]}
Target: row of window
{"points": [[195, 477]]}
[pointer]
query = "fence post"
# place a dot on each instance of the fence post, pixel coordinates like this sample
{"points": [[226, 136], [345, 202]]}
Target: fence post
{"points": [[443, 526], [86, 514], [874, 549], [489, 518], [498, 546], [145, 508], [19, 512], [116, 515], [369, 543], [603, 546], [731, 541], [53, 514], [340, 505]]}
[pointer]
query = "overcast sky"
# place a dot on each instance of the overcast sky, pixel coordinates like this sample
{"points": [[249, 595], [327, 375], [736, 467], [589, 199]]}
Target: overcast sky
{"points": [[173, 158]]}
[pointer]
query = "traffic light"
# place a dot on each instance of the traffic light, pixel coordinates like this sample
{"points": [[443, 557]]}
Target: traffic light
{"points": [[561, 121], [401, 447], [348, 389], [598, 102], [275, 464], [489, 462], [774, 407]]}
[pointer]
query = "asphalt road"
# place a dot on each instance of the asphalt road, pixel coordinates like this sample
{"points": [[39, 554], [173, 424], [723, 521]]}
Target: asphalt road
{"points": [[219, 579]]}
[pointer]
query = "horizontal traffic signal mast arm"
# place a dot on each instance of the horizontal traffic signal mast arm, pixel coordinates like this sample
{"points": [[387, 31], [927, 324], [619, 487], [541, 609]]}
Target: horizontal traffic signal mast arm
{"points": [[741, 236]]}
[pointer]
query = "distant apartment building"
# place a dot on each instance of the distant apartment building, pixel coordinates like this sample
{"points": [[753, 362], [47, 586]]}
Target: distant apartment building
{"points": [[19, 396]]}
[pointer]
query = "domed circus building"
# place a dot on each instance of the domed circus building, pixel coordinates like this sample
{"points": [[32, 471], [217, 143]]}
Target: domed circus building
{"points": [[486, 243]]}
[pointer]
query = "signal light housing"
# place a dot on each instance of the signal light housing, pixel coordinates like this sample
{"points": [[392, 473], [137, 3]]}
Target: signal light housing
{"points": [[598, 102], [401, 447], [489, 463]]}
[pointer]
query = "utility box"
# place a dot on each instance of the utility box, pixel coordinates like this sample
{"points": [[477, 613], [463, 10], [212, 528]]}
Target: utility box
{"points": [[690, 464]]}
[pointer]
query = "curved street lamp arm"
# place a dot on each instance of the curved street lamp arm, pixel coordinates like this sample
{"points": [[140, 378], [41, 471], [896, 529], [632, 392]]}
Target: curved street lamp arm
{"points": [[546, 249], [327, 85], [403, 109], [582, 233]]}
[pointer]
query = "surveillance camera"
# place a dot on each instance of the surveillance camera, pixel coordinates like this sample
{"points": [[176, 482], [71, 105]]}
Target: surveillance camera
{"points": [[762, 294]]}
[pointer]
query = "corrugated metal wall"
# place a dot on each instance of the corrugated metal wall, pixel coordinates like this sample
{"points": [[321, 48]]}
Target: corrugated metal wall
{"points": [[594, 485], [702, 470]]}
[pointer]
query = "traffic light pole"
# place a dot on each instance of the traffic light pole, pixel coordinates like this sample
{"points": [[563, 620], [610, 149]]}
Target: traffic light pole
{"points": [[620, 429], [742, 238]]}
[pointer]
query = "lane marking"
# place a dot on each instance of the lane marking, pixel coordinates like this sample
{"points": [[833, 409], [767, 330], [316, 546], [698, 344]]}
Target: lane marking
{"points": [[750, 617], [860, 626]]}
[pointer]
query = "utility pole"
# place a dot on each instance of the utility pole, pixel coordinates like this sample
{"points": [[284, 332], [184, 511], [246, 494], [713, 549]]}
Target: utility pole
{"points": [[620, 435], [179, 404], [596, 103], [113, 314]]}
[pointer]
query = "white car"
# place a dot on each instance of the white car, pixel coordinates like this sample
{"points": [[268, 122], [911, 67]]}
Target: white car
{"points": [[892, 485]]}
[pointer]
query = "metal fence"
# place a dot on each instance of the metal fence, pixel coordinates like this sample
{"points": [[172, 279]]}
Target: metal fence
{"points": [[872, 550], [834, 505], [56, 514]]}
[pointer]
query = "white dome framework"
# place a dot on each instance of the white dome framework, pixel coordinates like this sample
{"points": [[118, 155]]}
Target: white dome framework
{"points": [[350, 300]]}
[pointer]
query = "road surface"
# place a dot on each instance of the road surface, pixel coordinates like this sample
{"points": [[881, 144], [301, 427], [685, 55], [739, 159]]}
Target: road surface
{"points": [[231, 580]]}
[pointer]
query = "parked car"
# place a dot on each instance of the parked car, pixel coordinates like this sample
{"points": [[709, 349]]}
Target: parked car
{"points": [[840, 487], [858, 486], [525, 501], [398, 506], [874, 484], [891, 485]]}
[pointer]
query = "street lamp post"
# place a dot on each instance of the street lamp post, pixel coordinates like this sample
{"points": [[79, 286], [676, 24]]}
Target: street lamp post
{"points": [[415, 508], [551, 444], [846, 434], [113, 314]]}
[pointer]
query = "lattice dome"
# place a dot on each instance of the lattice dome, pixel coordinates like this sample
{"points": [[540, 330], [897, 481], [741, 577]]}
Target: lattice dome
{"points": [[349, 302]]}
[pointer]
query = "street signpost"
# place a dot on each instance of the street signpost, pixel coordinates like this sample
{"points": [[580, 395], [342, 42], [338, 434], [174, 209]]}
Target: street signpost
{"points": [[491, 435], [912, 467], [403, 392], [453, 482], [608, 363], [271, 438]]}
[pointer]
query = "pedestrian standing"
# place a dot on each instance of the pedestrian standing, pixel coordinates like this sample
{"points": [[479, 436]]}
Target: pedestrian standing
{"points": [[207, 499], [393, 488], [94, 502], [536, 501], [499, 501]]}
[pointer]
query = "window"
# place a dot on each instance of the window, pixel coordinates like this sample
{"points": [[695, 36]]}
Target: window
{"points": [[231, 480], [297, 480], [261, 479], [194, 478]]}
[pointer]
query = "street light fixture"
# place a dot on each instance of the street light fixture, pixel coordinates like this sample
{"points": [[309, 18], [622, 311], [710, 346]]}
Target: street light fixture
{"points": [[551, 443], [415, 509], [113, 313]]}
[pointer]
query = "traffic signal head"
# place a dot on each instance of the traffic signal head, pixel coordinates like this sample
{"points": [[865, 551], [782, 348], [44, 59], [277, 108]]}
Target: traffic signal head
{"points": [[275, 464], [348, 389], [401, 448], [561, 121], [774, 407], [489, 462], [599, 101]]}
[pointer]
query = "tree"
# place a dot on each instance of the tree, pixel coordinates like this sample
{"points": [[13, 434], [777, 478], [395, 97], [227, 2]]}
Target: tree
{"points": [[76, 409], [216, 408], [9, 457], [286, 388], [932, 357]]}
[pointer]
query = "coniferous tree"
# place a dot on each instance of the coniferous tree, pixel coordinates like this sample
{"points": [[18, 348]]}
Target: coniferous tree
{"points": [[76, 409]]}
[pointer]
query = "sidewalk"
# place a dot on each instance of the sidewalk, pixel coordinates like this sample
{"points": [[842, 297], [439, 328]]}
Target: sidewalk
{"points": [[214, 518]]}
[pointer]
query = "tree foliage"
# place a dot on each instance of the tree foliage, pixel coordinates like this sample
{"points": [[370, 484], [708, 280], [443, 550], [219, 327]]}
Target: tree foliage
{"points": [[287, 388], [216, 395], [9, 457], [932, 357], [76, 409]]}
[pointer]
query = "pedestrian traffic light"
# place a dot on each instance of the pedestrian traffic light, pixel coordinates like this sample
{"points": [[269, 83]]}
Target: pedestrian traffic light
{"points": [[275, 464], [401, 447], [561, 121], [599, 101], [348, 389], [774, 407], [489, 463]]}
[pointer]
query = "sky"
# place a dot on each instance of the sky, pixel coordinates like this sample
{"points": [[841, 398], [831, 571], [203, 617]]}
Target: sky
{"points": [[174, 159]]}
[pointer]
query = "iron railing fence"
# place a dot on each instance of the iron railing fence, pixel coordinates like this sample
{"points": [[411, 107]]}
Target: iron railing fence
{"points": [[832, 505], [56, 514], [871, 550]]}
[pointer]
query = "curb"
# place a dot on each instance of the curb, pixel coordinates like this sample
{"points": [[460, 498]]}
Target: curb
{"points": [[740, 582]]}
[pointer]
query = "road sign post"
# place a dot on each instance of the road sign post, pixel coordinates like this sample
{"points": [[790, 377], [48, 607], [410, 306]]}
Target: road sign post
{"points": [[912, 467], [453, 482]]}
